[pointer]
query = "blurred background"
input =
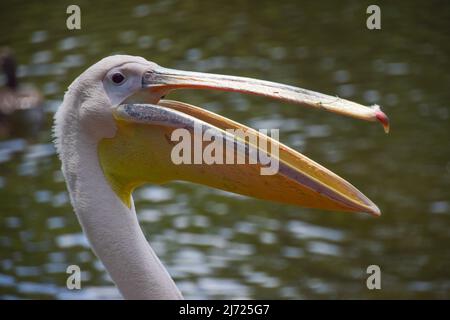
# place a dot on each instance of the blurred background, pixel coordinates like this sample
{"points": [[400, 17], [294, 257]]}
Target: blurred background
{"points": [[216, 244]]}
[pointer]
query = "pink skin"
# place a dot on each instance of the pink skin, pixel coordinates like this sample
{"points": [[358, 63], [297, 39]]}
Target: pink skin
{"points": [[382, 117]]}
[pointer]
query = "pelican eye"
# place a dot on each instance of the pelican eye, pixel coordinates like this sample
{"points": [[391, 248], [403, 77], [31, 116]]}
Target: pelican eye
{"points": [[117, 78]]}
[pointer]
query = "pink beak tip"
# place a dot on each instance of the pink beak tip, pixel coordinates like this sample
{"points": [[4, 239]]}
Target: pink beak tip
{"points": [[382, 117]]}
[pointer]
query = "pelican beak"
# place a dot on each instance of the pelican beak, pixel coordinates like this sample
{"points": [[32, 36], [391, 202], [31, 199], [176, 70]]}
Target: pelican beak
{"points": [[162, 80], [143, 149]]}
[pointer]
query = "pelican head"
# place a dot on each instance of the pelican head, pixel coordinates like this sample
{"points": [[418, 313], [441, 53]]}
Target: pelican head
{"points": [[114, 132]]}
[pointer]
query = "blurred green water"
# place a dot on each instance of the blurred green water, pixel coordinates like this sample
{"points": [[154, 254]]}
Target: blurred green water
{"points": [[217, 245]]}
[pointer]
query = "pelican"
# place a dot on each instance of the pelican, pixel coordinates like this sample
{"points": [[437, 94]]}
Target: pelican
{"points": [[108, 146]]}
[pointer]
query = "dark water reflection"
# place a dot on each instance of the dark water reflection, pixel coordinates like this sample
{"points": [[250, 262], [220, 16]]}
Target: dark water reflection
{"points": [[218, 245]]}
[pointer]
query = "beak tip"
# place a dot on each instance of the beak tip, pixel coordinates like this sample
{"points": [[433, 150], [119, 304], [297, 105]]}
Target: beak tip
{"points": [[382, 117], [374, 211]]}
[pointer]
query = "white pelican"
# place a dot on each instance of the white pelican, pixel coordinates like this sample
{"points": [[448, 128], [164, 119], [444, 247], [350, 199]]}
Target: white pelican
{"points": [[109, 147]]}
